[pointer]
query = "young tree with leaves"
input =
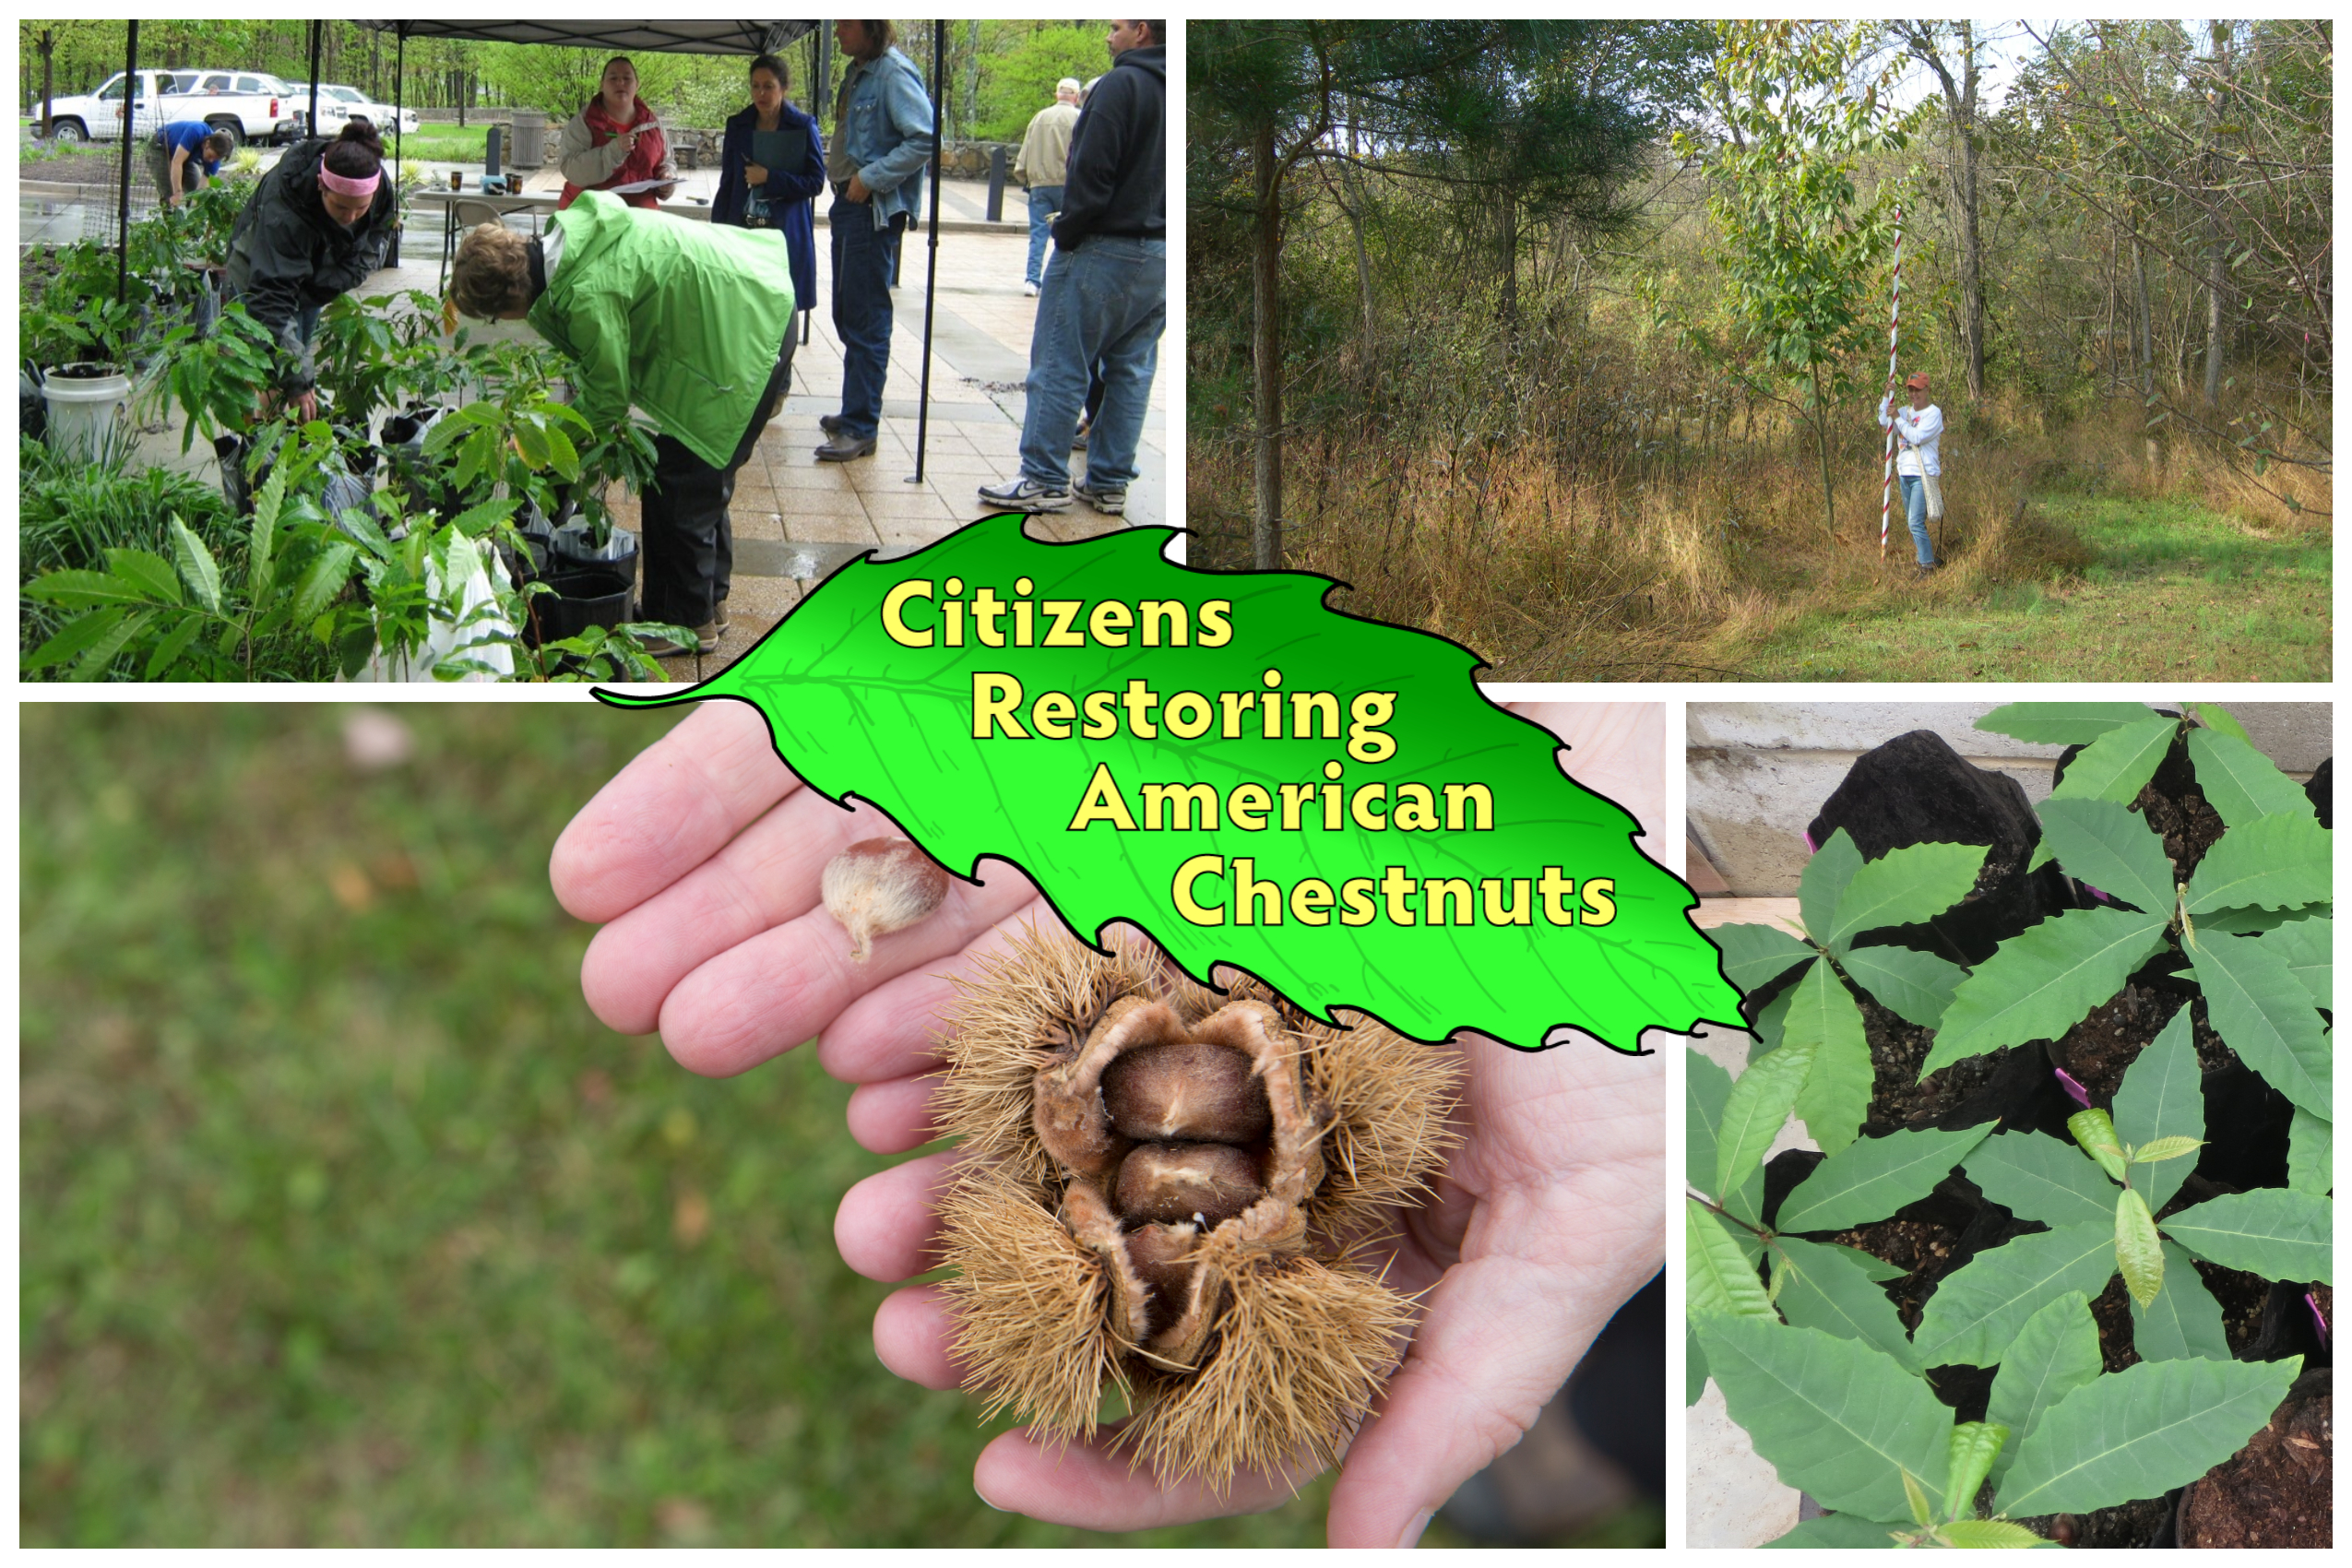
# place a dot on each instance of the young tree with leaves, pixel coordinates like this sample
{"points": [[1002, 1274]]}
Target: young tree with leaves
{"points": [[1800, 246]]}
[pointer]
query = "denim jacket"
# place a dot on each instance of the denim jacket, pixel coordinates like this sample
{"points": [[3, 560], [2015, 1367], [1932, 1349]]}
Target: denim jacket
{"points": [[888, 132]]}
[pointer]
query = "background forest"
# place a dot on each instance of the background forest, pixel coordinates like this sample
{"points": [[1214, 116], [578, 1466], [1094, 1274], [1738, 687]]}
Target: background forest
{"points": [[1566, 338], [999, 73]]}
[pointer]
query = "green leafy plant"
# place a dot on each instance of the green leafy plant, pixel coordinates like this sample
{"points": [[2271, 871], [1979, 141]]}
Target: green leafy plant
{"points": [[2270, 872], [1844, 898], [184, 617], [1813, 1360]]}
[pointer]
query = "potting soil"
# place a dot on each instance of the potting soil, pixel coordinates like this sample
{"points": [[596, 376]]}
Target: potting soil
{"points": [[2278, 1491]]}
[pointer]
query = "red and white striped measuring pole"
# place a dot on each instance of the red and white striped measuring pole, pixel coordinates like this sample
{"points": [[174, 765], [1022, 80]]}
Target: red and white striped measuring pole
{"points": [[1893, 329]]}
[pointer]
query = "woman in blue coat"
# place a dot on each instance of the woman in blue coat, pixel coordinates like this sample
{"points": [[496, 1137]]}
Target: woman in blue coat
{"points": [[772, 170]]}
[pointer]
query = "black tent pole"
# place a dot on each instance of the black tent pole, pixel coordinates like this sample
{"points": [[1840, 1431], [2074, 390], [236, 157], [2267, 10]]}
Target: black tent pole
{"points": [[130, 129], [312, 128], [930, 279]]}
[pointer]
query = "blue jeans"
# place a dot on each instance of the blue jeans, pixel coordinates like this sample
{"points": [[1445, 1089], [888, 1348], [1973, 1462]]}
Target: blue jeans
{"points": [[1915, 509], [1044, 202], [862, 258], [1105, 302]]}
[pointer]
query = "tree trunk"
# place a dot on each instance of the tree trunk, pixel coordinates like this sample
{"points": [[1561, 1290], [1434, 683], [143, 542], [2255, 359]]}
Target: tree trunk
{"points": [[1265, 346], [1972, 265], [48, 48], [1821, 434], [2217, 269]]}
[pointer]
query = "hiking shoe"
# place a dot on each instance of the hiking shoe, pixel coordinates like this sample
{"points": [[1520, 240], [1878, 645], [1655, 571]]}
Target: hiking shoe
{"points": [[845, 448], [1025, 494], [1110, 500], [706, 639]]}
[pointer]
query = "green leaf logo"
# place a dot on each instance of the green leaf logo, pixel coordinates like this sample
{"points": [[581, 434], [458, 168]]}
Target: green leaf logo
{"points": [[1253, 779]]}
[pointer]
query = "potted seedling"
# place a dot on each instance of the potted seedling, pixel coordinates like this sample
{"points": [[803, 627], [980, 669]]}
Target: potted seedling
{"points": [[2126, 1269]]}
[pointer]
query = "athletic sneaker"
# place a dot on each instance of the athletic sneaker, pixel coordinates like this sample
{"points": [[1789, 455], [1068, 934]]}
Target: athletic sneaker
{"points": [[1030, 289], [1110, 500], [1025, 494]]}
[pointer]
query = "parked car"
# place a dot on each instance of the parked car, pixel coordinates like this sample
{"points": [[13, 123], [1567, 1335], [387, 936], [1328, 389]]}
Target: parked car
{"points": [[337, 103], [249, 105]]}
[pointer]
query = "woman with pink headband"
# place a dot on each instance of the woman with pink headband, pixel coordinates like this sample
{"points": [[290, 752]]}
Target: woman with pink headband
{"points": [[317, 227]]}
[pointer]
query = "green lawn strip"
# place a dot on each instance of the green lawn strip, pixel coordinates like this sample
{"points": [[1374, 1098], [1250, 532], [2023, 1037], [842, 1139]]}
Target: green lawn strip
{"points": [[343, 1222], [2174, 591]]}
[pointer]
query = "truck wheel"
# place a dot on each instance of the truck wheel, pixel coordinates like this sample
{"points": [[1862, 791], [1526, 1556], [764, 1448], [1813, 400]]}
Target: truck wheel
{"points": [[68, 132], [235, 132]]}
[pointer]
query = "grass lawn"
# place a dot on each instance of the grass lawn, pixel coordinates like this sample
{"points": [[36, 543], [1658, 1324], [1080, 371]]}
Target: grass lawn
{"points": [[447, 142], [2173, 592], [341, 1221]]}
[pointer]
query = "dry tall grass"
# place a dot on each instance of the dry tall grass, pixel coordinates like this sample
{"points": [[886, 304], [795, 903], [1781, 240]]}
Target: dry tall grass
{"points": [[1630, 569]]}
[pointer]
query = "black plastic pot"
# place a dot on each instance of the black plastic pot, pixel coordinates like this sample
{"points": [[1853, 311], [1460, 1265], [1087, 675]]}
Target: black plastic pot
{"points": [[571, 547], [583, 597], [33, 409], [1917, 790]]}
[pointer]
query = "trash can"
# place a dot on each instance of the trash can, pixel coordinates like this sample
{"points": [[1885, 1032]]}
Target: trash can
{"points": [[530, 139]]}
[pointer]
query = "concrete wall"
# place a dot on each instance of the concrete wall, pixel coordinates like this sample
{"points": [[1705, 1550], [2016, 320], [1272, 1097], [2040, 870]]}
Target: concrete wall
{"points": [[1759, 772]]}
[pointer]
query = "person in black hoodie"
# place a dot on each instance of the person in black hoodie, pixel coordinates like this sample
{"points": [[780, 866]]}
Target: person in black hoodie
{"points": [[1105, 299], [316, 227]]}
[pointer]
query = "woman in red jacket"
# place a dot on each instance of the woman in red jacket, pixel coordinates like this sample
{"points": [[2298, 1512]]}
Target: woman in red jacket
{"points": [[616, 141]]}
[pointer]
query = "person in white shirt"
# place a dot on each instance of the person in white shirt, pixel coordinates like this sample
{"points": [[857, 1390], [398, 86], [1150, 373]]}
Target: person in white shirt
{"points": [[1917, 431]]}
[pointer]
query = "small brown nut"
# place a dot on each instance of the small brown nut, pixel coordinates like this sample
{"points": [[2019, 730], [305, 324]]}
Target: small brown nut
{"points": [[1187, 1090], [879, 886], [1168, 1184]]}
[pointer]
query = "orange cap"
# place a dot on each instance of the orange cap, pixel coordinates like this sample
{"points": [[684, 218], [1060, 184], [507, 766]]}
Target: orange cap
{"points": [[1918, 379]]}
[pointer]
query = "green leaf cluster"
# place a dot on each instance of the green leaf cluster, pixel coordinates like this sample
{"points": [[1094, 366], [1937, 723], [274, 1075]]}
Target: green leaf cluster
{"points": [[1810, 1355]]}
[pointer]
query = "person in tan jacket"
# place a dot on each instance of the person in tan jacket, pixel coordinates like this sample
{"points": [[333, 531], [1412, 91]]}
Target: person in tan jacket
{"points": [[1045, 158]]}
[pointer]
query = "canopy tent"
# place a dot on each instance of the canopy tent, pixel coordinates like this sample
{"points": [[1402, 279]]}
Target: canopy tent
{"points": [[745, 38], [702, 38]]}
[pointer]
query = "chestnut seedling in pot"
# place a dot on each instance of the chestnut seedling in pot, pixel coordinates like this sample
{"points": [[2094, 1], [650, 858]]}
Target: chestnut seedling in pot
{"points": [[879, 886]]}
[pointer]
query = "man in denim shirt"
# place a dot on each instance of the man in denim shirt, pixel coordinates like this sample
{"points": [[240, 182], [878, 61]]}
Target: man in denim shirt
{"points": [[1106, 295], [882, 138]]}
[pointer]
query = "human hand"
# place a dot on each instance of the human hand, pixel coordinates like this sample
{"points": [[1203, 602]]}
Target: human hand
{"points": [[704, 857], [663, 193], [856, 190], [755, 174], [305, 403]]}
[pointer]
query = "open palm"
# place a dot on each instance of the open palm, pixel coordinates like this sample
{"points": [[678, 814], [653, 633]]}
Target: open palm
{"points": [[702, 860]]}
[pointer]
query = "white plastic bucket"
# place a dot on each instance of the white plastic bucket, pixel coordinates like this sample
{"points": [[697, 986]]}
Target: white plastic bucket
{"points": [[83, 411]]}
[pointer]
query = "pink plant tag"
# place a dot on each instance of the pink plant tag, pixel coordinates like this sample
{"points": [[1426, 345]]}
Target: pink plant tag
{"points": [[2318, 1316], [2075, 1091]]}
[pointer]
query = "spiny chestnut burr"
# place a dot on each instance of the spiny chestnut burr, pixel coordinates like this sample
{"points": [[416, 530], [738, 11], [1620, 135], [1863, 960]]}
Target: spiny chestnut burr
{"points": [[1182, 1191], [879, 886]]}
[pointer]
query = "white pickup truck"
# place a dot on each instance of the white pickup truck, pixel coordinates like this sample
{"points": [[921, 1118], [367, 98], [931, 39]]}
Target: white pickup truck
{"points": [[249, 105]]}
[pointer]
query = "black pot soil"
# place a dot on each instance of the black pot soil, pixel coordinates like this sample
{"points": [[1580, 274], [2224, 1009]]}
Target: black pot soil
{"points": [[85, 370], [584, 597]]}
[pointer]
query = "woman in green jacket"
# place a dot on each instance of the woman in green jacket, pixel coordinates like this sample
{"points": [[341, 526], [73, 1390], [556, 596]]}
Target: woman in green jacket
{"points": [[688, 322]]}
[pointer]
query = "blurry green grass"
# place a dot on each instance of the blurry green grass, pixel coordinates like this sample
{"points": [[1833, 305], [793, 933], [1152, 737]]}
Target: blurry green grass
{"points": [[342, 1221]]}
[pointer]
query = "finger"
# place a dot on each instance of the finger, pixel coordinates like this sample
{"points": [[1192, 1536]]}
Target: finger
{"points": [[893, 1117], [911, 1333], [892, 1031], [888, 1226], [1087, 1485], [787, 984], [1501, 1335], [670, 810], [766, 876]]}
